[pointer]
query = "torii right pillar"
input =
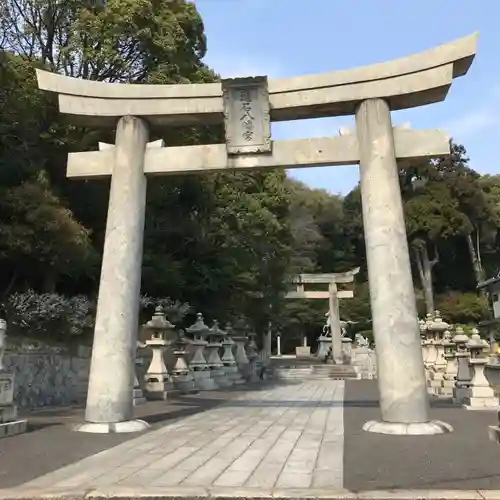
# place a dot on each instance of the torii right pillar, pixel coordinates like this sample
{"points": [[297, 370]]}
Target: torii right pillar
{"points": [[404, 401]]}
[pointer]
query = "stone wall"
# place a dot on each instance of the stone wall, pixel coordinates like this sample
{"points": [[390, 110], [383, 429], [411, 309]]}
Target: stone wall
{"points": [[48, 376]]}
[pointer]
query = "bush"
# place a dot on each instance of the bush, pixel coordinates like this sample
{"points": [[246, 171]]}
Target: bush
{"points": [[49, 315], [174, 310], [56, 317], [465, 308]]}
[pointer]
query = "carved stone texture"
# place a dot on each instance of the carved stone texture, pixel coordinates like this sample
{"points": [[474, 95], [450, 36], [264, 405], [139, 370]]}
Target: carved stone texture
{"points": [[247, 119]]}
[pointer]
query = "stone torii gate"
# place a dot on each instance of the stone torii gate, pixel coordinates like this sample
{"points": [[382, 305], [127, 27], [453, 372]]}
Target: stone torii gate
{"points": [[246, 107], [332, 294]]}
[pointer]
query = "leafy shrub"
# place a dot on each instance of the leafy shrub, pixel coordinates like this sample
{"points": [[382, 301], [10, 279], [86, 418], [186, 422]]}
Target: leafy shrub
{"points": [[49, 314], [174, 310], [465, 308], [57, 317]]}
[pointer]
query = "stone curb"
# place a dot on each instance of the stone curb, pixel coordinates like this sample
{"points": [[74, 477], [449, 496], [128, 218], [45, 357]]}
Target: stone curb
{"points": [[194, 493]]}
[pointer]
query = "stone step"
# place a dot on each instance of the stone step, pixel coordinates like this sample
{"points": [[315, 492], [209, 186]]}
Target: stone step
{"points": [[315, 372]]}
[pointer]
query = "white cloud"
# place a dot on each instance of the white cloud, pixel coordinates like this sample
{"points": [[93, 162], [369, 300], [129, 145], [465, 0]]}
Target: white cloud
{"points": [[475, 121]]}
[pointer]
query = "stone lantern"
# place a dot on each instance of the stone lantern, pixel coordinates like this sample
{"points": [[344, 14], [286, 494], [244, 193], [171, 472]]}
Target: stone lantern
{"points": [[3, 342], [451, 365], [230, 366], [481, 395], [217, 372], [324, 342], [157, 378], [429, 342], [239, 335], [198, 364], [346, 344], [181, 374], [463, 377], [252, 352], [438, 328], [423, 341]]}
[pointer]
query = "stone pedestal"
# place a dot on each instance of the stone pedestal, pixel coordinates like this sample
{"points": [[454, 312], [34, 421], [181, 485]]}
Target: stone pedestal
{"points": [[157, 379], [463, 378], [217, 372], [303, 351], [198, 365], [450, 371], [364, 362], [230, 367], [214, 346], [241, 357], [346, 350], [10, 424], [182, 376], [324, 344], [138, 395], [254, 359], [203, 380]]}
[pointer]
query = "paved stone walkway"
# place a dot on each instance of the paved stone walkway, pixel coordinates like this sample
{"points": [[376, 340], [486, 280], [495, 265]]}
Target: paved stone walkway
{"points": [[284, 437]]}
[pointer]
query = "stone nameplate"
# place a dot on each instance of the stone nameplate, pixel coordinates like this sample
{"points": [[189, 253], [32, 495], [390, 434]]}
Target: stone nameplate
{"points": [[246, 115], [6, 388]]}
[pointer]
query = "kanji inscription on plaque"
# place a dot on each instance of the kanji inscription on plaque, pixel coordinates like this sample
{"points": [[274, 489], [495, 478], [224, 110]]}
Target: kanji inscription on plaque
{"points": [[246, 115]]}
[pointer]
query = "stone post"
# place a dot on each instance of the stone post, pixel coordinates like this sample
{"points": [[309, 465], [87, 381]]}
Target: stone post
{"points": [[111, 380], [278, 344], [335, 327], [267, 341], [10, 424], [3, 342], [401, 378], [451, 365]]}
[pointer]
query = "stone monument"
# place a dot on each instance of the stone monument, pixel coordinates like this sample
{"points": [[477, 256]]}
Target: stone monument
{"points": [[10, 424], [246, 108]]}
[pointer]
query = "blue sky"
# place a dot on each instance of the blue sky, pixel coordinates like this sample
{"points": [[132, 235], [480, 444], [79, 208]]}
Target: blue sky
{"points": [[282, 38]]}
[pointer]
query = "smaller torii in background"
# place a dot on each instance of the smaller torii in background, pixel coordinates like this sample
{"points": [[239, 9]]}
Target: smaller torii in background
{"points": [[333, 295]]}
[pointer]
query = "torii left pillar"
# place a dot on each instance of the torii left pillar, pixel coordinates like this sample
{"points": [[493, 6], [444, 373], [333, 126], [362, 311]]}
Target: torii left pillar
{"points": [[111, 381]]}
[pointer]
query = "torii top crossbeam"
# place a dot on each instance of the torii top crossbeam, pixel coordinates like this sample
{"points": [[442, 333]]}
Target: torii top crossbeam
{"points": [[407, 82]]}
